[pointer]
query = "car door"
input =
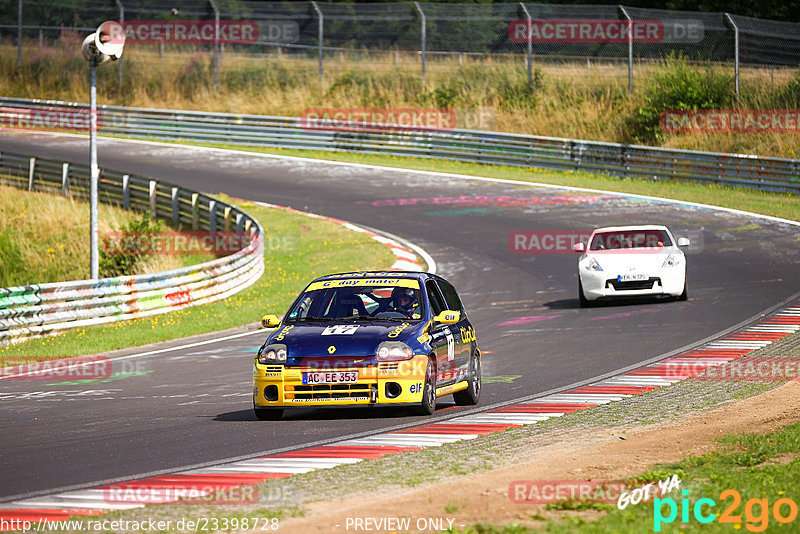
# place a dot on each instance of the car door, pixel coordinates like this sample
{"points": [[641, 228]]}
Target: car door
{"points": [[442, 340], [463, 331]]}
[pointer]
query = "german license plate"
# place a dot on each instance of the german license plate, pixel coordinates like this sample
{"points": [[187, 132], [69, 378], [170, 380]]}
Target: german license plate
{"points": [[330, 377], [631, 277]]}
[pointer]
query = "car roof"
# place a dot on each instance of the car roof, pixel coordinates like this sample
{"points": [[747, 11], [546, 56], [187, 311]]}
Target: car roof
{"points": [[631, 228], [416, 275]]}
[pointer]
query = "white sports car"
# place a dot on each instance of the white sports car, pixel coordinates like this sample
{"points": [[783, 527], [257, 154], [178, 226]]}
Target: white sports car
{"points": [[631, 261]]}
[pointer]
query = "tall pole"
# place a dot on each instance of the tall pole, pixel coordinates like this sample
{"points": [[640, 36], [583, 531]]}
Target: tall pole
{"points": [[422, 15], [530, 43], [95, 172], [19, 33], [216, 43], [320, 36], [122, 22], [630, 48], [735, 50]]}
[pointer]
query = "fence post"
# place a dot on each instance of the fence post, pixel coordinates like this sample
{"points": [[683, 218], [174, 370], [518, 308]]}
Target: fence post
{"points": [[122, 22], [216, 43], [212, 216], [735, 50], [630, 46], [530, 43], [65, 179], [153, 189], [31, 167], [176, 216], [19, 33], [320, 31], [422, 15], [195, 211], [227, 215], [239, 222], [126, 191]]}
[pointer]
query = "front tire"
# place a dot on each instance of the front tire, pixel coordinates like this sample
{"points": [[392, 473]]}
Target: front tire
{"points": [[584, 302], [685, 294], [471, 395], [268, 414], [428, 404]]}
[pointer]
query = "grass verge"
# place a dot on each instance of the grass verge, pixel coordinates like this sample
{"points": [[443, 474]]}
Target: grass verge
{"points": [[45, 238], [298, 248]]}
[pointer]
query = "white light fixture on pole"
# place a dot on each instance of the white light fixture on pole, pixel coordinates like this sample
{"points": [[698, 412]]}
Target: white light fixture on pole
{"points": [[103, 45]]}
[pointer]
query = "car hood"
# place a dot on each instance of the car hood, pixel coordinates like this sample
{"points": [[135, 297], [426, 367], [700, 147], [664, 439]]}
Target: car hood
{"points": [[622, 261], [337, 340]]}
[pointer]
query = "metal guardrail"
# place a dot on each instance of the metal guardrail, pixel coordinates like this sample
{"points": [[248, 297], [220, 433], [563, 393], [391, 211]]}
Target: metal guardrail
{"points": [[628, 161], [41, 309]]}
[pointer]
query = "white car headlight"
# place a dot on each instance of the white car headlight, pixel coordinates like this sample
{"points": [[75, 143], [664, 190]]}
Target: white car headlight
{"points": [[592, 265], [673, 260], [392, 351], [272, 354]]}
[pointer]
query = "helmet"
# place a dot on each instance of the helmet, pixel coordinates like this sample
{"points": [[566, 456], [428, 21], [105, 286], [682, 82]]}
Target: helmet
{"points": [[399, 295]]}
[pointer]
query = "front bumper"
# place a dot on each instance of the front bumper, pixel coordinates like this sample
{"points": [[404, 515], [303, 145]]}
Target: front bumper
{"points": [[387, 383], [601, 284]]}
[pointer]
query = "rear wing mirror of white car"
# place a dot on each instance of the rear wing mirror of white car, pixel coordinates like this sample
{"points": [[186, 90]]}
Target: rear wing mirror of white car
{"points": [[579, 247], [684, 242]]}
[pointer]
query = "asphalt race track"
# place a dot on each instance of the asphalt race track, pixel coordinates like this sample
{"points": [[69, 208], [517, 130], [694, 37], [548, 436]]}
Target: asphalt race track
{"points": [[192, 405]]}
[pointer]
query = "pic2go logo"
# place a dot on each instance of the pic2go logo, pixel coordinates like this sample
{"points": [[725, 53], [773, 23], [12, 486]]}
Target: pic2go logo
{"points": [[756, 511]]}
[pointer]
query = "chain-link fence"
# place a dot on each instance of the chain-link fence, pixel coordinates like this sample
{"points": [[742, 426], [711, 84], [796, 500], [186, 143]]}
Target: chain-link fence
{"points": [[425, 34]]}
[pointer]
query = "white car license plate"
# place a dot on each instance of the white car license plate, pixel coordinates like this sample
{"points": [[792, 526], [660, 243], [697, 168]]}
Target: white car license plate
{"points": [[331, 377], [631, 277]]}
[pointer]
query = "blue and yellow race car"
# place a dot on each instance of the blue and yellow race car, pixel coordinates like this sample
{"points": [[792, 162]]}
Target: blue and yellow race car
{"points": [[368, 339]]}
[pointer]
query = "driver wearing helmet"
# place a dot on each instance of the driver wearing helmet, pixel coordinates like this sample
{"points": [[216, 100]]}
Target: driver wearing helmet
{"points": [[404, 301]]}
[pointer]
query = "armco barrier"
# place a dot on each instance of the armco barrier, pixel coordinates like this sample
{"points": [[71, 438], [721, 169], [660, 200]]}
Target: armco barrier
{"points": [[40, 309], [630, 161]]}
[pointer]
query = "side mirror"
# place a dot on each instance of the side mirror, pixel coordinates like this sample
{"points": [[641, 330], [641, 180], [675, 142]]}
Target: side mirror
{"points": [[448, 317], [270, 321], [684, 242], [579, 247]]}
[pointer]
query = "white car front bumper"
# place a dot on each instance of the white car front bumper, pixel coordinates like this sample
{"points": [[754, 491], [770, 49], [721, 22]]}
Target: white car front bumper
{"points": [[601, 284]]}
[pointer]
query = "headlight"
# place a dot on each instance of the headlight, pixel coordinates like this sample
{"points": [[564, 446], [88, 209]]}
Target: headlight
{"points": [[673, 260], [592, 265], [392, 351], [272, 354]]}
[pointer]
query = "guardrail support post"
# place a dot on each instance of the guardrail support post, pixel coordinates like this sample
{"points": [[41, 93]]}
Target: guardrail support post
{"points": [[320, 35], [239, 224], [195, 211], [247, 224], [212, 216], [227, 215], [126, 191], [630, 47], [65, 179], [735, 50], [153, 189], [530, 43], [176, 216], [31, 167], [423, 43]]}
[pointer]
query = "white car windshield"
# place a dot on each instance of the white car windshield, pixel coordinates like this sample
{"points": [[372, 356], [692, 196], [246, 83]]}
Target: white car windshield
{"points": [[390, 303], [630, 239]]}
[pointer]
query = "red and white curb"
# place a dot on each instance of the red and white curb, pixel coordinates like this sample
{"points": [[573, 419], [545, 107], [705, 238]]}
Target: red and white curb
{"points": [[197, 483]]}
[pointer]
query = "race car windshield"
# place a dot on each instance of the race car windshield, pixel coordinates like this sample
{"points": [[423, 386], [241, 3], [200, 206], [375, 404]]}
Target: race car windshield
{"points": [[384, 303], [630, 239]]}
